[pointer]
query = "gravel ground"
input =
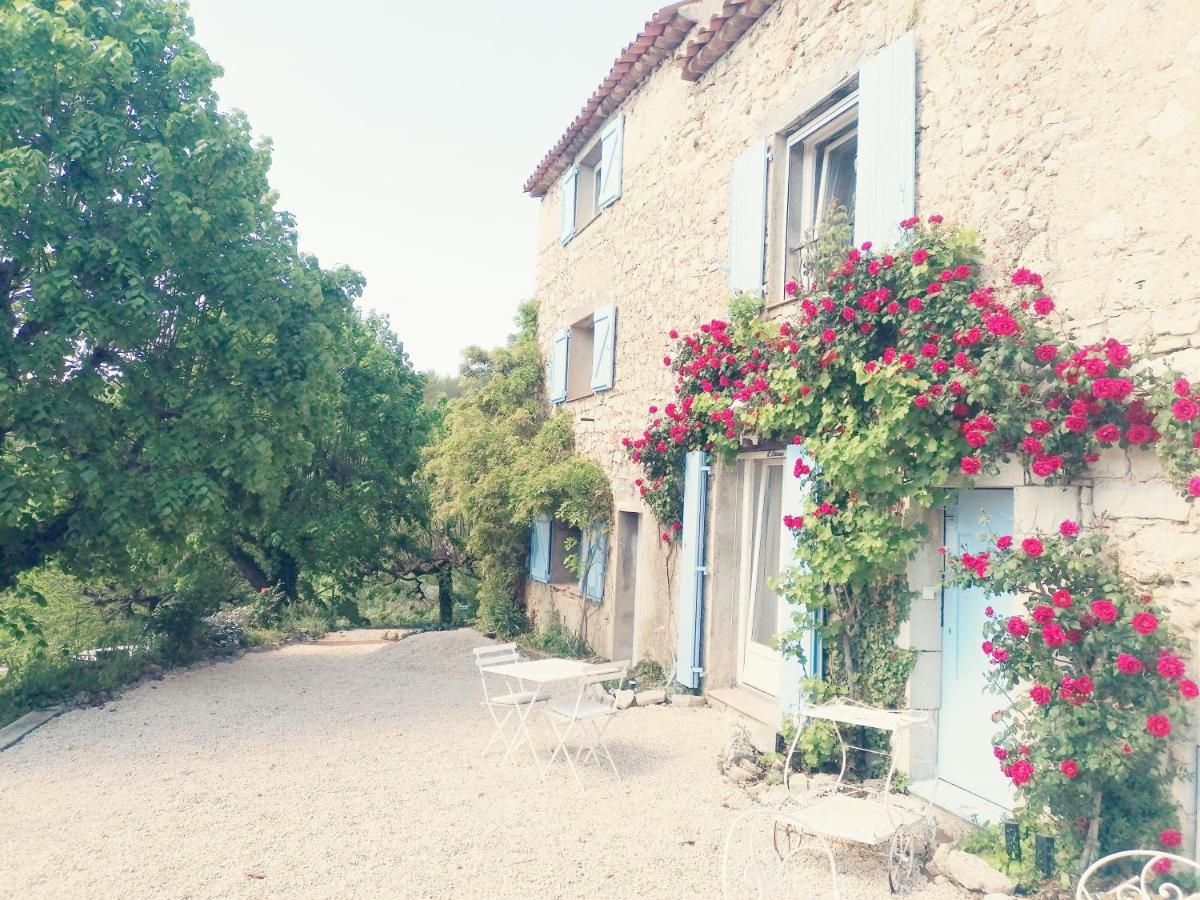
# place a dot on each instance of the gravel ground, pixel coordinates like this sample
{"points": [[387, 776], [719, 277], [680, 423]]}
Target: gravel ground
{"points": [[354, 771]]}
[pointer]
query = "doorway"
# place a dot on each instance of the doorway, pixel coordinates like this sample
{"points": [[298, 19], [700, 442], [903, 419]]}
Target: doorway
{"points": [[965, 725], [625, 608], [761, 478]]}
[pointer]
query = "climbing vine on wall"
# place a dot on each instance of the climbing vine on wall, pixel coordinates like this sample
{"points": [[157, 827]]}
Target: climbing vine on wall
{"points": [[902, 375]]}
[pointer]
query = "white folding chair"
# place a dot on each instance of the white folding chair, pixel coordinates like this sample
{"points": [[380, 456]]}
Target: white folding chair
{"points": [[514, 699], [586, 711]]}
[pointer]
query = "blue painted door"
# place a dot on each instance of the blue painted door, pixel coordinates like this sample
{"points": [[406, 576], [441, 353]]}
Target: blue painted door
{"points": [[965, 726]]}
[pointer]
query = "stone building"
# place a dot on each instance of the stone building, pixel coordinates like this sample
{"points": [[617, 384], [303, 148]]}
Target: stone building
{"points": [[1066, 132]]}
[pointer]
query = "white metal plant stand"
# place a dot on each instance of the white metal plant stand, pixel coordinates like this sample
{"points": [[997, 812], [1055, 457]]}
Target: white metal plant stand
{"points": [[760, 844], [1146, 884]]}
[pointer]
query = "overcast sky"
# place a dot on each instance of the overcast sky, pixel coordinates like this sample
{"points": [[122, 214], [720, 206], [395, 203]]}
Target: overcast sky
{"points": [[403, 132]]}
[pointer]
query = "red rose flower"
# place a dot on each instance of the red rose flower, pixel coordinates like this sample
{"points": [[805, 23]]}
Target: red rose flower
{"points": [[970, 465], [1046, 353], [999, 753], [1159, 726], [1017, 626], [1184, 410], [1194, 485], [1043, 306], [1189, 688], [1138, 434], [1170, 666], [1129, 665], [1043, 615], [1069, 767], [1053, 636], [1170, 837], [1004, 541], [1062, 599], [1040, 694], [1108, 434], [1145, 623], [1068, 528], [920, 256], [1104, 610], [1020, 772], [1032, 546]]}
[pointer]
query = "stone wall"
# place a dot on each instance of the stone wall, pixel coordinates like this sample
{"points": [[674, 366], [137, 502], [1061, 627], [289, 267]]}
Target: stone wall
{"points": [[1066, 132]]}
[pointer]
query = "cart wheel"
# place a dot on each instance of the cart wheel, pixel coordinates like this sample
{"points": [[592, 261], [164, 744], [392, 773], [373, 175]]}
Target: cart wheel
{"points": [[751, 866], [789, 840], [902, 861]]}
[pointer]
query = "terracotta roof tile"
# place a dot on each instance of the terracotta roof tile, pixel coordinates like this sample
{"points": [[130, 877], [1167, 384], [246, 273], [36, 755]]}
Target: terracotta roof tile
{"points": [[721, 33], [658, 39]]}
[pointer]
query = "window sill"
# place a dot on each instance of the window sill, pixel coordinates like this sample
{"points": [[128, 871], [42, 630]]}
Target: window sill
{"points": [[579, 397]]}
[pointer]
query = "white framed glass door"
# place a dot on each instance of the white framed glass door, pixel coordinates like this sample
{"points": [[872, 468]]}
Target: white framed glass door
{"points": [[762, 524]]}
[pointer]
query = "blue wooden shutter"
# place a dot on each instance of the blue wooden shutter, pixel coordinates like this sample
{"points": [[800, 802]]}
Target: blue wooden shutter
{"points": [[556, 385], [593, 564], [568, 184], [791, 669], [885, 192], [612, 152], [748, 221], [539, 549], [604, 345], [692, 569]]}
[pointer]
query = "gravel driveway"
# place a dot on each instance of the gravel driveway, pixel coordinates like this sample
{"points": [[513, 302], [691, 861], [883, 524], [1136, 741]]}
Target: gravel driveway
{"points": [[353, 771]]}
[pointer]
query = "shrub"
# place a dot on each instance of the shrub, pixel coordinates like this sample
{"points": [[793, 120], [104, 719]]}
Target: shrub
{"points": [[1098, 683]]}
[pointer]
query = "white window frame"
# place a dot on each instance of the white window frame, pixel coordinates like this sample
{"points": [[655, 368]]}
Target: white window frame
{"points": [[826, 125]]}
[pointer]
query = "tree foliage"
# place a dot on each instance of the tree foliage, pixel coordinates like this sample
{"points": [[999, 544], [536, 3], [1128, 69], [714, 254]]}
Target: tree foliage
{"points": [[502, 460], [174, 374]]}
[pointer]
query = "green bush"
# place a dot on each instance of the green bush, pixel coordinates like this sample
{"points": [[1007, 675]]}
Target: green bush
{"points": [[557, 640]]}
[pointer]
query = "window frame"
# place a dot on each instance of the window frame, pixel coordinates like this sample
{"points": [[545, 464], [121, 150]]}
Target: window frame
{"points": [[836, 122], [589, 175]]}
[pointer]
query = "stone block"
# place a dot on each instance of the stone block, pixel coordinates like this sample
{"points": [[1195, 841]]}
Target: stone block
{"points": [[1043, 508], [624, 699], [651, 698], [1146, 500], [687, 700], [925, 683]]}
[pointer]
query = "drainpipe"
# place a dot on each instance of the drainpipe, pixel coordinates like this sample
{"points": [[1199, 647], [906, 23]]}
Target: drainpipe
{"points": [[1196, 767]]}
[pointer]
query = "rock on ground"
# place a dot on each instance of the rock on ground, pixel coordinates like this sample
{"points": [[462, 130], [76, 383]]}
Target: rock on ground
{"points": [[354, 771]]}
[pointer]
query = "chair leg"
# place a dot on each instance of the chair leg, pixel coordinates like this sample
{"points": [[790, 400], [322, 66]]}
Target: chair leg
{"points": [[598, 742], [498, 732], [562, 746]]}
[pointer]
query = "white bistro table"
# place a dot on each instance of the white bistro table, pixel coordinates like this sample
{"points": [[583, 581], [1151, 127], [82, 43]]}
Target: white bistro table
{"points": [[538, 672]]}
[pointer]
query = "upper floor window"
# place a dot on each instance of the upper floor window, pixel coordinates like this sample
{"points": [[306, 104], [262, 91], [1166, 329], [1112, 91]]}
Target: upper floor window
{"points": [[594, 182], [822, 176], [583, 357]]}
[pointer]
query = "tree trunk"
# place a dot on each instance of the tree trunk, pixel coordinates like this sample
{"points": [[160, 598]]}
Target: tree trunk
{"points": [[445, 586], [249, 567], [1091, 847], [289, 576]]}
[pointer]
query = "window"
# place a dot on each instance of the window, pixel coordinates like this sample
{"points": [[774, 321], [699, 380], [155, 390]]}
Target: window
{"points": [[551, 543], [822, 175], [594, 182], [583, 357]]}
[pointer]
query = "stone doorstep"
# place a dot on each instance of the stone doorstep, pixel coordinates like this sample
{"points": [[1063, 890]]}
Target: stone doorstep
{"points": [[759, 711], [14, 731]]}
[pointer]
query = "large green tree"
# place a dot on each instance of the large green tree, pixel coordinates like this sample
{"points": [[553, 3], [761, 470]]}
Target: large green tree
{"points": [[173, 373]]}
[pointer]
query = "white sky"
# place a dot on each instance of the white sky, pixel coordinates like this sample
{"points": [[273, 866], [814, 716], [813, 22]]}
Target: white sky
{"points": [[403, 132]]}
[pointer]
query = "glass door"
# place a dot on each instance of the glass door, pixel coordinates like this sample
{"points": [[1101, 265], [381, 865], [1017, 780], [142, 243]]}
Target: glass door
{"points": [[762, 523]]}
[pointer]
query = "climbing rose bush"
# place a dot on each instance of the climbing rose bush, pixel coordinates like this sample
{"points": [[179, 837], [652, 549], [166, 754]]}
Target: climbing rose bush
{"points": [[1097, 686]]}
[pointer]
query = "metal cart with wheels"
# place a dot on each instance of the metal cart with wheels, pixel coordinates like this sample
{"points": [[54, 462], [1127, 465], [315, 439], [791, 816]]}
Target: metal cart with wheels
{"points": [[761, 843]]}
